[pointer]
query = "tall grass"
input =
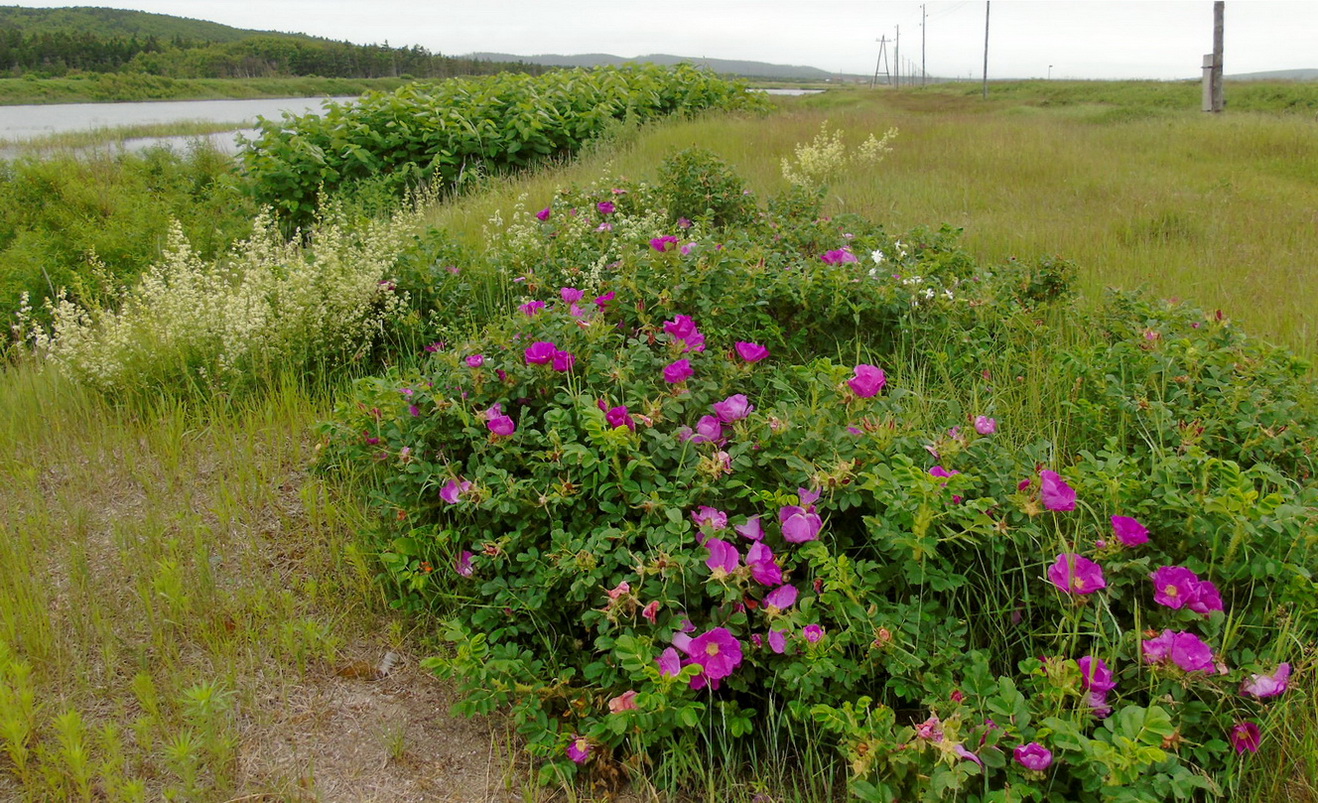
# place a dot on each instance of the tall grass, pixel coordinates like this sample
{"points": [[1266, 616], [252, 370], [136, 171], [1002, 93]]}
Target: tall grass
{"points": [[1215, 210], [169, 575]]}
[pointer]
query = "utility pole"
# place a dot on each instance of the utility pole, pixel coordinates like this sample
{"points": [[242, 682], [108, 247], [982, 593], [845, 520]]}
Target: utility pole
{"points": [[897, 58], [924, 18], [1219, 103], [986, 29]]}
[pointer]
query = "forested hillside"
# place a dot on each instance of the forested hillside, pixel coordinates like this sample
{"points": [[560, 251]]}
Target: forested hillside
{"points": [[57, 42]]}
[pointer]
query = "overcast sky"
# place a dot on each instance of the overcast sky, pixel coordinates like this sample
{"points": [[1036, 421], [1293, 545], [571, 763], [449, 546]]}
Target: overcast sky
{"points": [[1078, 38]]}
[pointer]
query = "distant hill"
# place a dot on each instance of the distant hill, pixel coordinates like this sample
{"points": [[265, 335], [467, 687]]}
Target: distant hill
{"points": [[750, 69], [1276, 75], [55, 42], [113, 22]]}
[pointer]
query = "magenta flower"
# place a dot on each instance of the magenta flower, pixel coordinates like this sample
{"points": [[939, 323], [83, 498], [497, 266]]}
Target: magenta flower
{"points": [[751, 352], [681, 327], [717, 651], [710, 519], [541, 352], [679, 371], [780, 599], [799, 524], [1057, 495], [812, 633], [475, 360], [1174, 586], [1186, 650], [733, 408], [1129, 531], [670, 663], [708, 430], [867, 381], [606, 207], [619, 417], [838, 257], [683, 223], [985, 425], [778, 641], [1263, 686], [1076, 574], [463, 564], [939, 471], [666, 243], [752, 529], [453, 490], [578, 749], [602, 301], [1206, 598], [498, 423], [688, 248], [571, 295], [1033, 756], [563, 361], [764, 569], [1095, 675], [695, 343], [1097, 701], [543, 214], [723, 558], [530, 308], [1246, 736]]}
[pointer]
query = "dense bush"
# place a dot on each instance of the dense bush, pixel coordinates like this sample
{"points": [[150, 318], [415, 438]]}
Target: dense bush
{"points": [[439, 133], [76, 222], [996, 547]]}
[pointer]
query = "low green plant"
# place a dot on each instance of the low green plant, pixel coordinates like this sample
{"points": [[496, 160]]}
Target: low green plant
{"points": [[927, 508], [269, 307]]}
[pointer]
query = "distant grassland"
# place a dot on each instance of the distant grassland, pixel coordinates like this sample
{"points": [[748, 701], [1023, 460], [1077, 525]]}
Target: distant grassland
{"points": [[1164, 95], [115, 87], [1217, 210]]}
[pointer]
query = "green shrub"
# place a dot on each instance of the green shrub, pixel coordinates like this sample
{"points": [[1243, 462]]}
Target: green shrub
{"points": [[437, 133], [575, 487], [695, 184], [78, 223]]}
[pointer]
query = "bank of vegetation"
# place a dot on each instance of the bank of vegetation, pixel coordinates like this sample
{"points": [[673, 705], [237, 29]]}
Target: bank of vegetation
{"points": [[711, 345]]}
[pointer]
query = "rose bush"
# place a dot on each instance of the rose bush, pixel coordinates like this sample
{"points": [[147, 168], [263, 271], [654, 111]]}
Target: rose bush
{"points": [[767, 481]]}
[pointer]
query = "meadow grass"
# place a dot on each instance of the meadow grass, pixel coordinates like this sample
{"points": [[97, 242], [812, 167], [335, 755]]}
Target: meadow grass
{"points": [[170, 575], [1214, 210]]}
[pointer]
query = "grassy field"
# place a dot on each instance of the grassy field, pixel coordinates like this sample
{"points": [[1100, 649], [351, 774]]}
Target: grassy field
{"points": [[1217, 211], [185, 606]]}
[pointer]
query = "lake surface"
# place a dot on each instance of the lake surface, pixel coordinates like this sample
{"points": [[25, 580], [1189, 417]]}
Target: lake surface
{"points": [[18, 123]]}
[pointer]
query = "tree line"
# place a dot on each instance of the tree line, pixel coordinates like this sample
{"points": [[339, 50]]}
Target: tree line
{"points": [[55, 54]]}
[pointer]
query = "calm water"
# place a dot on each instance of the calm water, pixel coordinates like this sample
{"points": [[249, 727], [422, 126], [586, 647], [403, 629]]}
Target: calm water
{"points": [[19, 123]]}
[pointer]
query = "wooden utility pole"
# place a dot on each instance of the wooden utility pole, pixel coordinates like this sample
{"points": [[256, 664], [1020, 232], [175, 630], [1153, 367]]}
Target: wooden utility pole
{"points": [[897, 58], [924, 20], [1219, 103], [986, 26]]}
